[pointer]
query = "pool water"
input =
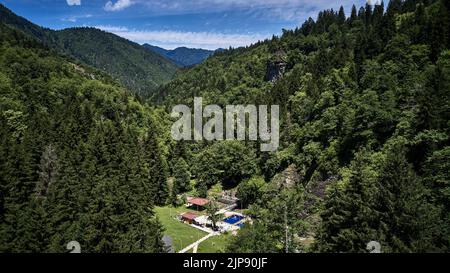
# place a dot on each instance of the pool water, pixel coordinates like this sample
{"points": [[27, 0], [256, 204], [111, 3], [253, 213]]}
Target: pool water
{"points": [[233, 219]]}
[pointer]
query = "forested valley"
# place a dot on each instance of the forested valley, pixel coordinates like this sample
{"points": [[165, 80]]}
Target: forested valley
{"points": [[80, 156], [364, 141]]}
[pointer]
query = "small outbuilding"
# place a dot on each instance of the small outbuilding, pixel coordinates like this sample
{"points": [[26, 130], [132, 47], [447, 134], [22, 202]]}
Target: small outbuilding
{"points": [[198, 202], [188, 217]]}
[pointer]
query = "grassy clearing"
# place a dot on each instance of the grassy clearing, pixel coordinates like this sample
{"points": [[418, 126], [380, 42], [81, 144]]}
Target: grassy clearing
{"points": [[182, 234], [214, 244]]}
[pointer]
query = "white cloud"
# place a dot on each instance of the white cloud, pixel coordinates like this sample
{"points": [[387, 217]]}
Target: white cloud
{"points": [[173, 39], [119, 5], [73, 2], [285, 9], [74, 18]]}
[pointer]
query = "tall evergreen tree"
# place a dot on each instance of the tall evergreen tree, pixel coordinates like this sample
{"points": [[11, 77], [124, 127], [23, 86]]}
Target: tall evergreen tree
{"points": [[156, 173], [341, 16], [353, 16], [405, 217], [349, 218], [182, 176]]}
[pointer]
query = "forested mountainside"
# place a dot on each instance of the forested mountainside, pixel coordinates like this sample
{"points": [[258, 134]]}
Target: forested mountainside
{"points": [[182, 56], [137, 68], [79, 156], [365, 106]]}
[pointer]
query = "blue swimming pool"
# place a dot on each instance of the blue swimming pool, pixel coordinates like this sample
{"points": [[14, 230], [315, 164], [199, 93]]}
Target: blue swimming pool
{"points": [[233, 219]]}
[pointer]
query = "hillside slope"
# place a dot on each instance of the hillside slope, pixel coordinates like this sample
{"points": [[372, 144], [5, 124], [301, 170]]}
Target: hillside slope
{"points": [[73, 146], [364, 102], [137, 68]]}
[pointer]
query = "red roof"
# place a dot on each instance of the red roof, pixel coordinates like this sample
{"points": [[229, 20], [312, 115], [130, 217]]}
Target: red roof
{"points": [[189, 215], [198, 201]]}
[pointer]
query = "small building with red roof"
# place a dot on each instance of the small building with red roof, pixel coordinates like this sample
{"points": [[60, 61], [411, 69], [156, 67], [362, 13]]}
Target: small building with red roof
{"points": [[188, 217], [201, 202]]}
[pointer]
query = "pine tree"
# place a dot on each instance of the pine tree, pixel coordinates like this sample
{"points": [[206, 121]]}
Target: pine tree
{"points": [[156, 170], [437, 180], [202, 188], [421, 25], [348, 218], [404, 215], [341, 16], [353, 17], [49, 168], [182, 176], [393, 9], [378, 14], [368, 15]]}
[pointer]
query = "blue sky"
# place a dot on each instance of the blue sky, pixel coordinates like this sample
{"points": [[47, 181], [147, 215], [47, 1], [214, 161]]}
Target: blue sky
{"points": [[207, 24]]}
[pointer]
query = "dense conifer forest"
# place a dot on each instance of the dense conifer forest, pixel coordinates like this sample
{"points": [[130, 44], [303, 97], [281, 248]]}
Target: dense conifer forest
{"points": [[79, 156]]}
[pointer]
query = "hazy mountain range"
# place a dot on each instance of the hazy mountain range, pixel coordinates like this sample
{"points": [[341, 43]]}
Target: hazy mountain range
{"points": [[182, 56]]}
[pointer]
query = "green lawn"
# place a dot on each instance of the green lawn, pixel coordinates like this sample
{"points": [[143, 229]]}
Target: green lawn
{"points": [[182, 234], [214, 244]]}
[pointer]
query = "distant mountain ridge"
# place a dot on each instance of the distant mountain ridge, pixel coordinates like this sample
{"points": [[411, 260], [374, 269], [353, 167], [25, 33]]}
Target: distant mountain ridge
{"points": [[136, 67], [183, 56]]}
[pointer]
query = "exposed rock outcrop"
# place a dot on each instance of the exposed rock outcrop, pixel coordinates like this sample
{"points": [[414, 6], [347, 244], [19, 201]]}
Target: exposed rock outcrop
{"points": [[276, 67]]}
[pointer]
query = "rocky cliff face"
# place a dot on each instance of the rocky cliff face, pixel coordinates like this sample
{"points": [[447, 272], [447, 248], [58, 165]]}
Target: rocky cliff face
{"points": [[289, 177], [276, 66]]}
